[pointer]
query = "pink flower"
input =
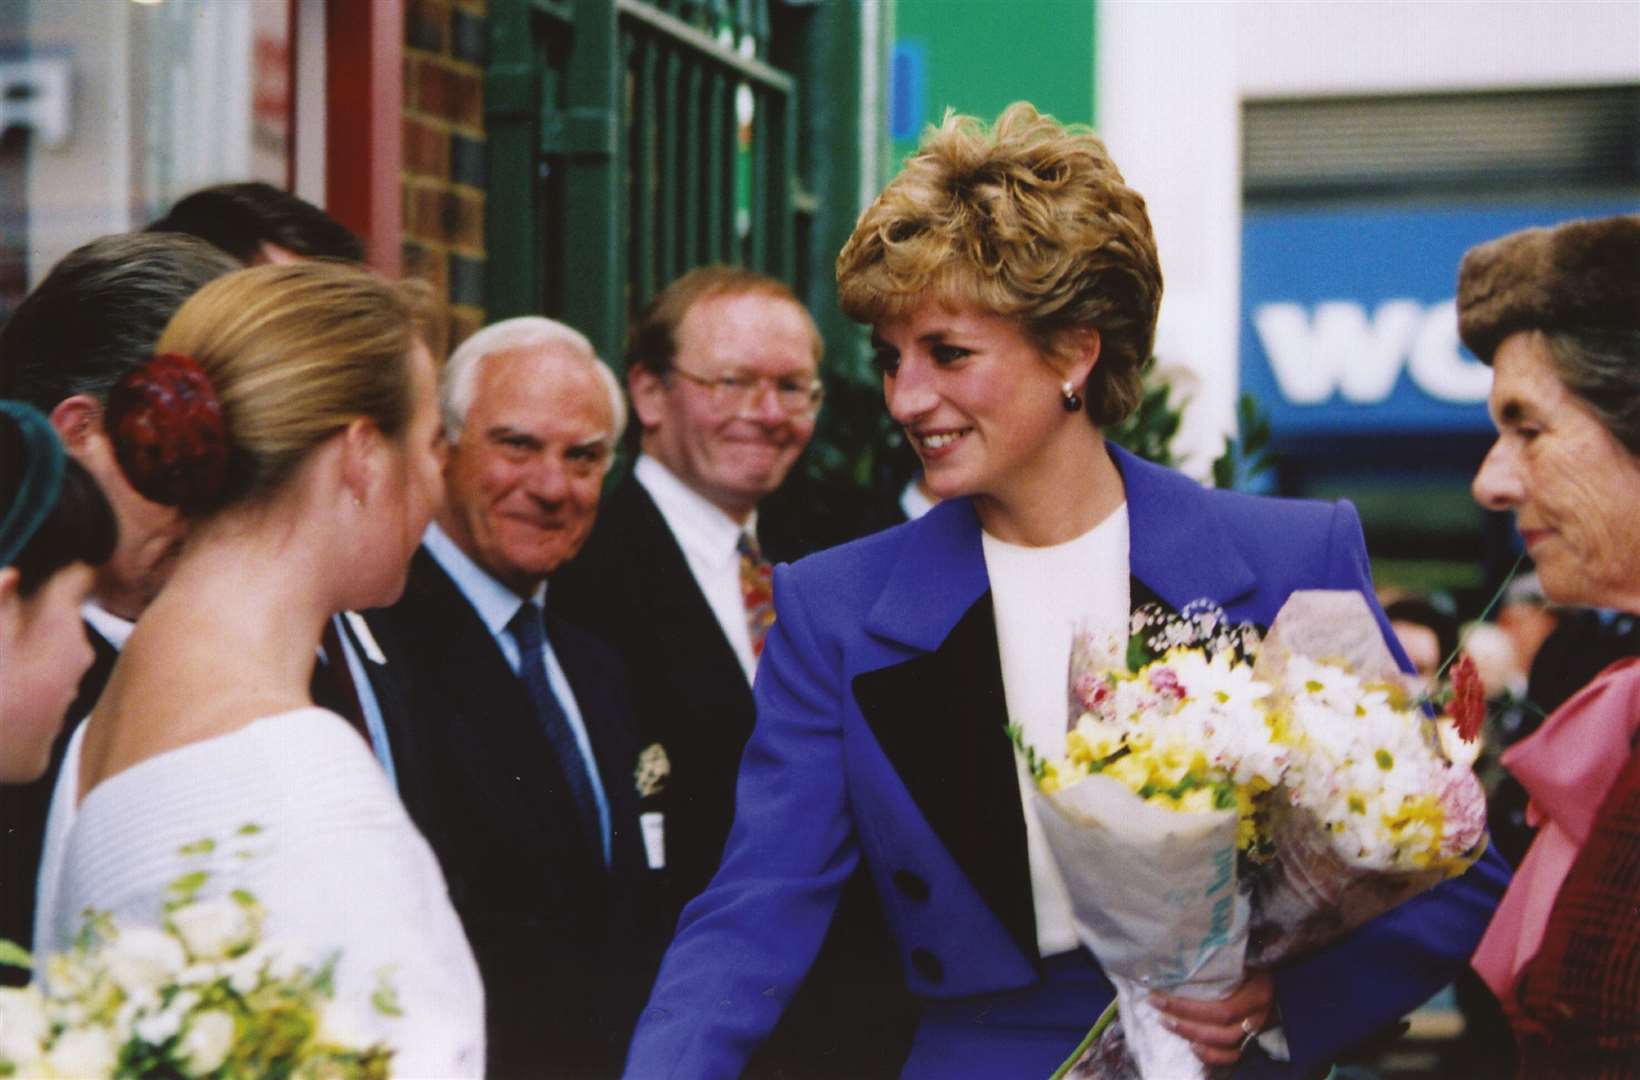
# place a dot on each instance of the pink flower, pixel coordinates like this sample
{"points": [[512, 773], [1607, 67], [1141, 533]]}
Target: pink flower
{"points": [[1165, 681], [1091, 691]]}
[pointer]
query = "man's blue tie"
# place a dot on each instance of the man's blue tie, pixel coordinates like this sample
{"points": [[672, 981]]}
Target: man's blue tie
{"points": [[526, 629]]}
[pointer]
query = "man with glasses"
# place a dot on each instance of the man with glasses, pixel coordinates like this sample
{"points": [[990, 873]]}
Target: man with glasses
{"points": [[722, 367]]}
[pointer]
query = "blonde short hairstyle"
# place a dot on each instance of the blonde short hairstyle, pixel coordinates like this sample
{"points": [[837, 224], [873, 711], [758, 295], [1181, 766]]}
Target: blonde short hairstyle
{"points": [[1028, 219], [296, 352]]}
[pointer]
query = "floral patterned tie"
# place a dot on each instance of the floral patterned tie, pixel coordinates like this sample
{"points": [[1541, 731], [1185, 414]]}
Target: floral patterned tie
{"points": [[756, 590]]}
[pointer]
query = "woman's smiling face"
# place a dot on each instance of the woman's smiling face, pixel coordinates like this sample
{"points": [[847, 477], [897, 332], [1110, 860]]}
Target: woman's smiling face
{"points": [[979, 401]]}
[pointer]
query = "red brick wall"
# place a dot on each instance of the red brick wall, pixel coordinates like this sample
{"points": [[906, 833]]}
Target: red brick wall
{"points": [[443, 166]]}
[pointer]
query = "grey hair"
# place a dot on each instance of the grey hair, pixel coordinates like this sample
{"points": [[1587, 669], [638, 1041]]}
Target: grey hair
{"points": [[456, 388], [99, 313], [1602, 367]]}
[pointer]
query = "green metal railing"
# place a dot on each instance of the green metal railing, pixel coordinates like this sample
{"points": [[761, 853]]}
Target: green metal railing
{"points": [[630, 140]]}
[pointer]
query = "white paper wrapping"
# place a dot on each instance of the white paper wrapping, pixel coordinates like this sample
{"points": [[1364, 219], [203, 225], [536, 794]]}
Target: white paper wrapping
{"points": [[1154, 897]]}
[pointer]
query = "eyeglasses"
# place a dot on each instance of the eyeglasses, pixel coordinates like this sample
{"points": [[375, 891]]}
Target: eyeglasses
{"points": [[738, 391]]}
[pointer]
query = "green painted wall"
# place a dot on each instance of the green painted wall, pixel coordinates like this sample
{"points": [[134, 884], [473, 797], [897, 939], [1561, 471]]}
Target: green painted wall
{"points": [[981, 55]]}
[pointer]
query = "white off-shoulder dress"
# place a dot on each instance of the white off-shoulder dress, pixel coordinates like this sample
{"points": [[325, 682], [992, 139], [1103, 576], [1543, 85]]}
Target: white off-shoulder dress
{"points": [[333, 859]]}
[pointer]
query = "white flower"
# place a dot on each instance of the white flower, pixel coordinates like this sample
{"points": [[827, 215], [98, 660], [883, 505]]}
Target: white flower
{"points": [[653, 769], [1458, 750], [23, 1026], [211, 929], [142, 958], [199, 974], [285, 957], [87, 1053], [68, 976], [207, 1040], [246, 972], [155, 1028]]}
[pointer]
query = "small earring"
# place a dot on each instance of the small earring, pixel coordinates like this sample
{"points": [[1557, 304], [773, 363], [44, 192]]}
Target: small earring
{"points": [[358, 502], [1069, 397]]}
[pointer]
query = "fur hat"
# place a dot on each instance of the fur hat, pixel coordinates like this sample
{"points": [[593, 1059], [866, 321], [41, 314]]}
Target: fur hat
{"points": [[1571, 276]]}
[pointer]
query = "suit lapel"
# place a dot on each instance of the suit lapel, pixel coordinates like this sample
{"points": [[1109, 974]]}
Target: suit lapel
{"points": [[592, 681], [668, 593], [491, 721]]}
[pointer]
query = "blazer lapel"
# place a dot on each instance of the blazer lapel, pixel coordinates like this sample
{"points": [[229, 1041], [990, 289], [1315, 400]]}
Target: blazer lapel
{"points": [[1176, 545], [940, 715]]}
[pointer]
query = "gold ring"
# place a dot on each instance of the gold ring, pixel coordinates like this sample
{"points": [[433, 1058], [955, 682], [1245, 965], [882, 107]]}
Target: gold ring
{"points": [[1247, 1027]]}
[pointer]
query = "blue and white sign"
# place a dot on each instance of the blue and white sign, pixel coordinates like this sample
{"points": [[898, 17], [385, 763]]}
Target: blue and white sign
{"points": [[1349, 325]]}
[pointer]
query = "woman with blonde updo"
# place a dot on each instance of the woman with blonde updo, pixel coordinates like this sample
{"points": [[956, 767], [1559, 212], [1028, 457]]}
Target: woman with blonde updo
{"points": [[291, 414], [1011, 283]]}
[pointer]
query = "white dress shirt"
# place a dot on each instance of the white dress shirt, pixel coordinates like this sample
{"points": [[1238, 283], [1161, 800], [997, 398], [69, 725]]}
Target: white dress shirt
{"points": [[114, 630], [710, 541]]}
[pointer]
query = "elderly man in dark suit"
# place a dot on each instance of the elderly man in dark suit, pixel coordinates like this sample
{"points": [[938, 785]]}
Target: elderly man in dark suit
{"points": [[518, 754]]}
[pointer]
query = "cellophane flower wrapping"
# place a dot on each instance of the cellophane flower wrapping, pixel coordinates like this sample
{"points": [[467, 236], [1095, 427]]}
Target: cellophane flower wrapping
{"points": [[1332, 802]]}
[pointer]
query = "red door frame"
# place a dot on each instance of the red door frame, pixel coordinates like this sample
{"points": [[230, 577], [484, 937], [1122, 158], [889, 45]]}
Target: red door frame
{"points": [[364, 99]]}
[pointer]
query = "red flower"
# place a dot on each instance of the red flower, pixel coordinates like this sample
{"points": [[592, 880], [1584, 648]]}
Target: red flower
{"points": [[1468, 705]]}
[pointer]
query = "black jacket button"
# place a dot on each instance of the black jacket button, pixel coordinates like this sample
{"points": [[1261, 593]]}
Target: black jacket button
{"points": [[927, 965], [912, 885]]}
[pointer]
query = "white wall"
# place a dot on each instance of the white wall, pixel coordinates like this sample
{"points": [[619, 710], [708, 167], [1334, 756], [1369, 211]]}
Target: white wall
{"points": [[1171, 78]]}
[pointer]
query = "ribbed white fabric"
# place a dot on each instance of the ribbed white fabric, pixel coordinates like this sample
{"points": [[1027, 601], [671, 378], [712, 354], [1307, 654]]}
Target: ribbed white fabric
{"points": [[336, 863], [1041, 596]]}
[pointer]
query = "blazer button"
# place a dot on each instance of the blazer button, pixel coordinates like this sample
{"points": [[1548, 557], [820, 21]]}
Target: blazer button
{"points": [[912, 885], [927, 965]]}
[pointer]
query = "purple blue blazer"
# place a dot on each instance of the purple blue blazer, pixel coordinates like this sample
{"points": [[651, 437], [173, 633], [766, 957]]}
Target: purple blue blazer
{"points": [[880, 737]]}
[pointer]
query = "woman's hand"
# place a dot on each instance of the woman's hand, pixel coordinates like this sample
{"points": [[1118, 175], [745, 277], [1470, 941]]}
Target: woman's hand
{"points": [[1220, 1030]]}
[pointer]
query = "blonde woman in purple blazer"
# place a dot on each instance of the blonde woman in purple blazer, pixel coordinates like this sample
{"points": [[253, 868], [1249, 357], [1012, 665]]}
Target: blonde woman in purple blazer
{"points": [[1011, 282]]}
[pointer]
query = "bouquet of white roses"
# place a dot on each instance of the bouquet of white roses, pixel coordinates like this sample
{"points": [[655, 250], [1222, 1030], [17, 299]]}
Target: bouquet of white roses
{"points": [[200, 995], [1225, 800]]}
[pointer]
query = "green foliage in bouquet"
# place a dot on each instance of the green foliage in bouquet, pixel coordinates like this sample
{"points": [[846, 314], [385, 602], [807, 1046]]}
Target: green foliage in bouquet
{"points": [[202, 995]]}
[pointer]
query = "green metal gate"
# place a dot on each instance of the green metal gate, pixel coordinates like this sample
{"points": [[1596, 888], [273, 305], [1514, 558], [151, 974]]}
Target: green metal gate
{"points": [[631, 140]]}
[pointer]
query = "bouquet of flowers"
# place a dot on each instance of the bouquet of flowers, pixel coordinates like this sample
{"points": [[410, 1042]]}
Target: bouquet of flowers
{"points": [[1224, 800], [201, 995]]}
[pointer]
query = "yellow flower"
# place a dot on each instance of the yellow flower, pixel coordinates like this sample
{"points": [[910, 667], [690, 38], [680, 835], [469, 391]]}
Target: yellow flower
{"points": [[1129, 770], [1197, 801], [1091, 742]]}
